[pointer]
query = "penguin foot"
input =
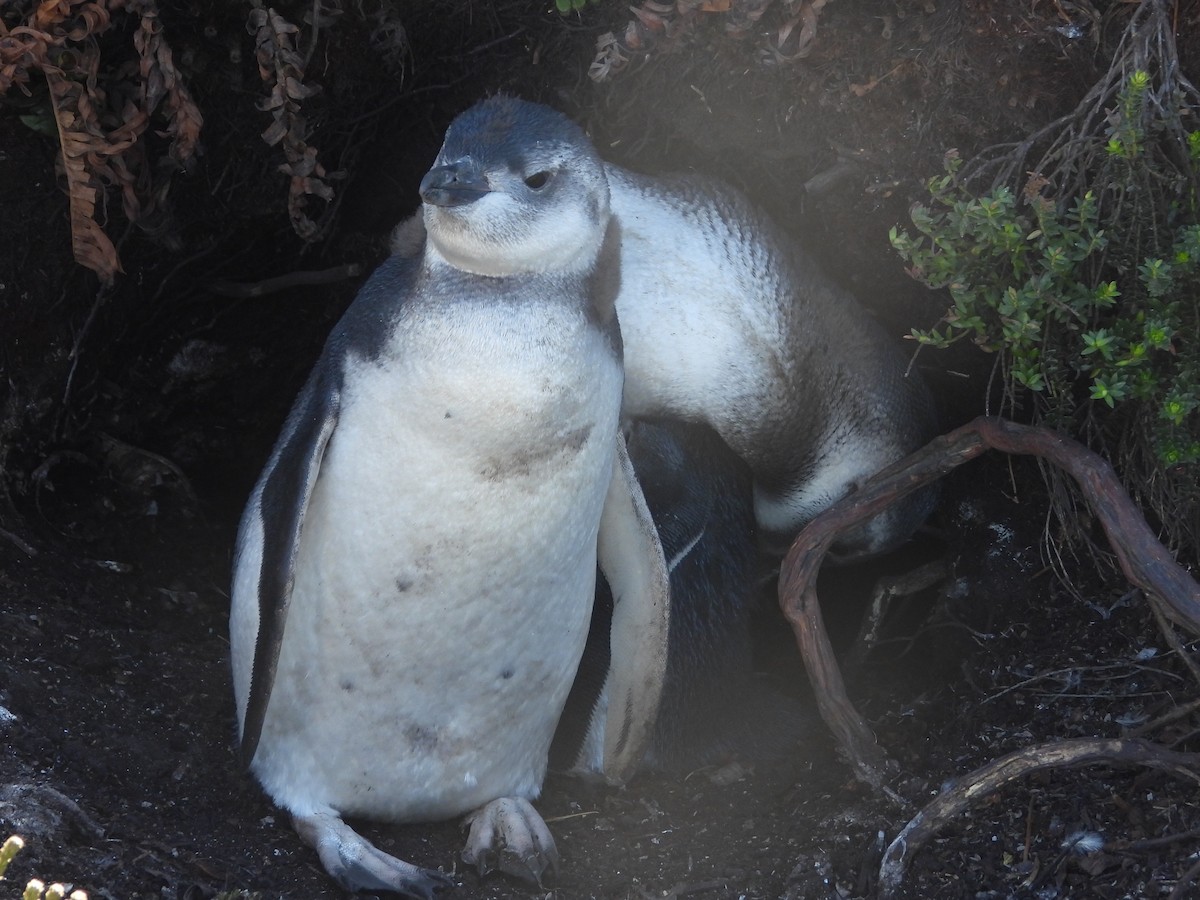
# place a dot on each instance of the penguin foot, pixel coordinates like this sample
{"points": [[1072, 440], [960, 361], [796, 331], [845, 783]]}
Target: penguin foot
{"points": [[509, 835], [358, 865]]}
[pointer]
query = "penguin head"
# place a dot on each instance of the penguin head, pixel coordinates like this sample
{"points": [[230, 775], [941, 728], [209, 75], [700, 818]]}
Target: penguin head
{"points": [[517, 188]]}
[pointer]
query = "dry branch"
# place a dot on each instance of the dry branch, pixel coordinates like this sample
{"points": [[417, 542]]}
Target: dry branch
{"points": [[1070, 151], [1145, 562], [990, 778]]}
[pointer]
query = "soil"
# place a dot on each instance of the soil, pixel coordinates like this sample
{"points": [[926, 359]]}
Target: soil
{"points": [[135, 420]]}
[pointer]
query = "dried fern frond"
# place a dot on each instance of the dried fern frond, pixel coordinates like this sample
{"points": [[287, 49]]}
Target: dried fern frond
{"points": [[22, 50], [84, 150], [101, 147], [161, 82], [282, 70], [82, 17]]}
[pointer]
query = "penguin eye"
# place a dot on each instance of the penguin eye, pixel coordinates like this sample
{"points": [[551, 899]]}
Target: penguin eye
{"points": [[538, 180]]}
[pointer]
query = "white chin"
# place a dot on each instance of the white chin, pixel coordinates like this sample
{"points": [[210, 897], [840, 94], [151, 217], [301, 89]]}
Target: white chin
{"points": [[543, 250]]}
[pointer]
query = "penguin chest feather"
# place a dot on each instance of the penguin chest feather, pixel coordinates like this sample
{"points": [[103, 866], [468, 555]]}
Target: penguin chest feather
{"points": [[446, 567]]}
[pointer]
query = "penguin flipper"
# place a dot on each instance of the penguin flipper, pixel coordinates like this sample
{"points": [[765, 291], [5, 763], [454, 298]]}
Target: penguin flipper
{"points": [[631, 558], [284, 493]]}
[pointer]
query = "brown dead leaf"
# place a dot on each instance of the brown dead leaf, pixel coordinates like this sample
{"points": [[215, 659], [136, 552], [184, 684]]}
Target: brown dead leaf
{"points": [[81, 17], [861, 90], [807, 18], [87, 19], [275, 133], [297, 90], [1034, 186], [282, 71], [609, 54], [22, 49], [90, 245], [650, 19], [633, 39], [745, 15], [50, 13], [161, 82], [101, 144]]}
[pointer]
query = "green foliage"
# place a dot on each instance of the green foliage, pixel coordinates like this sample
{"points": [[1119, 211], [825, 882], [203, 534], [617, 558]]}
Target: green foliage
{"points": [[1038, 282], [566, 7], [1128, 133]]}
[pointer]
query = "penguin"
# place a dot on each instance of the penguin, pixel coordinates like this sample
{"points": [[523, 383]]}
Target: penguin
{"points": [[415, 568], [728, 323], [700, 496]]}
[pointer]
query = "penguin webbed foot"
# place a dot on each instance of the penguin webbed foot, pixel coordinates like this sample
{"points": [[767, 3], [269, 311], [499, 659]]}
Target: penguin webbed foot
{"points": [[509, 835], [358, 865]]}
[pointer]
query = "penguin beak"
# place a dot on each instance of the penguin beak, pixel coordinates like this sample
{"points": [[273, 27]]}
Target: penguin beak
{"points": [[453, 185]]}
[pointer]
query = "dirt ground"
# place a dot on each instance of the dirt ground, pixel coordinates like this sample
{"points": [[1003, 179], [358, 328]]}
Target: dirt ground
{"points": [[136, 420]]}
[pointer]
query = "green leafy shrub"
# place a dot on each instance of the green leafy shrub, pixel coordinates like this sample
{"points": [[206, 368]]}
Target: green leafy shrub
{"points": [[1084, 279], [1024, 280]]}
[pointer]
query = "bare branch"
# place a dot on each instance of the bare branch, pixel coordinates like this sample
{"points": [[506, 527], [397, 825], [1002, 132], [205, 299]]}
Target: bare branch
{"points": [[988, 779], [1145, 562]]}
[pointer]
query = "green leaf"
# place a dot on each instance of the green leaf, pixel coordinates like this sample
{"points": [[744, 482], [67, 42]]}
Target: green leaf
{"points": [[41, 121], [1106, 294], [1030, 377], [1158, 334], [1099, 341]]}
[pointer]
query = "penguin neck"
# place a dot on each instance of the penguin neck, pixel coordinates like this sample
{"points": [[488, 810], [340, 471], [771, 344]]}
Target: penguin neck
{"points": [[561, 260], [502, 282]]}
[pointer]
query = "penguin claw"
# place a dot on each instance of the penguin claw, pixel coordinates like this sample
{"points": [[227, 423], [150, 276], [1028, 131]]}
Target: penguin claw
{"points": [[358, 865], [509, 835]]}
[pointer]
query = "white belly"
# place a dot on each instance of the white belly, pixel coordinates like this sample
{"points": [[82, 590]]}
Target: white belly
{"points": [[444, 581]]}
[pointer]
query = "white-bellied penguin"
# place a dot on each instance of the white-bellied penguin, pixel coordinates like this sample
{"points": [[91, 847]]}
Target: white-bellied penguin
{"points": [[416, 566]]}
